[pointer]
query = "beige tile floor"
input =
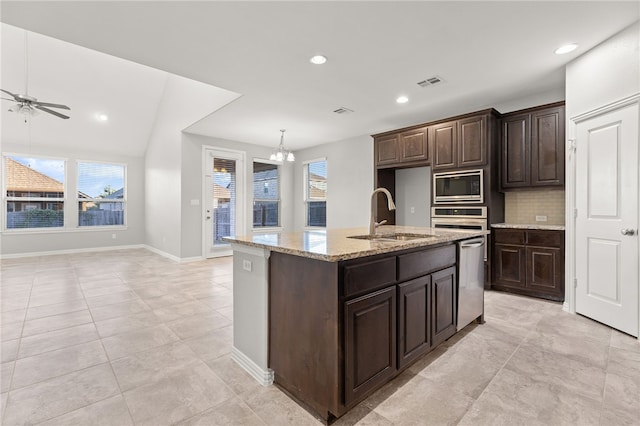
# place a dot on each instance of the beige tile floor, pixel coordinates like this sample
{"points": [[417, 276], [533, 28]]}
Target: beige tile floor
{"points": [[128, 337]]}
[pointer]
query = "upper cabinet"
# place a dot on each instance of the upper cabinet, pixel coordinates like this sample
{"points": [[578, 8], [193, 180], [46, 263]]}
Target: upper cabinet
{"points": [[532, 148], [461, 143], [404, 147]]}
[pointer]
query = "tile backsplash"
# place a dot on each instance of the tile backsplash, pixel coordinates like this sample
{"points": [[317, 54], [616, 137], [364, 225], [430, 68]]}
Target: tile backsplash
{"points": [[523, 207]]}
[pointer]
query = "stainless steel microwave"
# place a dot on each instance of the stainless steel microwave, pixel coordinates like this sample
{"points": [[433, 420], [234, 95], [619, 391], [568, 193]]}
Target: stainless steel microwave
{"points": [[458, 187]]}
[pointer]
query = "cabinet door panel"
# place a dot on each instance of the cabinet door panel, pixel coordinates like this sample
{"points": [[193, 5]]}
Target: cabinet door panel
{"points": [[515, 151], [510, 265], [386, 150], [472, 143], [414, 145], [370, 342], [443, 289], [544, 270], [547, 147], [414, 324], [445, 137]]}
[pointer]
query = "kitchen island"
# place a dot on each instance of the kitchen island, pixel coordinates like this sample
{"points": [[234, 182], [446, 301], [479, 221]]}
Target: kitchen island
{"points": [[331, 318]]}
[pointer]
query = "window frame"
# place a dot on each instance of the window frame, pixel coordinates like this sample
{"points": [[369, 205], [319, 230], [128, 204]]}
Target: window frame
{"points": [[266, 229], [122, 200], [307, 199], [6, 199]]}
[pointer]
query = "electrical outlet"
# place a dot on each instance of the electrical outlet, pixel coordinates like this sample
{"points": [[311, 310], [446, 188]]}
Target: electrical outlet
{"points": [[413, 209], [541, 218], [113, 236], [246, 265]]}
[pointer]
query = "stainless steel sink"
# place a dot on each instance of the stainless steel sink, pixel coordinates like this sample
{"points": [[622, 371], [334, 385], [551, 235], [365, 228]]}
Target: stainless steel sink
{"points": [[396, 237]]}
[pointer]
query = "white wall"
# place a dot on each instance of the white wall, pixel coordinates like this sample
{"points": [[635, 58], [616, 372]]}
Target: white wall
{"points": [[349, 182], [607, 73], [184, 102], [192, 174], [413, 190], [23, 242]]}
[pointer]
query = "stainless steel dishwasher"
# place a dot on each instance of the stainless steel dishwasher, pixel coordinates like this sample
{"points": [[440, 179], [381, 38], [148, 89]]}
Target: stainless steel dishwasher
{"points": [[471, 281]]}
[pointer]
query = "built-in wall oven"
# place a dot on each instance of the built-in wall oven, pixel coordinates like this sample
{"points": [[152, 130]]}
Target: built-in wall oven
{"points": [[461, 187], [467, 217]]}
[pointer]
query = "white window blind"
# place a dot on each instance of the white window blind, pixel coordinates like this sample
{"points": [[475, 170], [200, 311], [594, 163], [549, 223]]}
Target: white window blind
{"points": [[34, 192], [101, 194]]}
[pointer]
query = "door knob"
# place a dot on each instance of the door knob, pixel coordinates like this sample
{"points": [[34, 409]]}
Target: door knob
{"points": [[628, 231]]}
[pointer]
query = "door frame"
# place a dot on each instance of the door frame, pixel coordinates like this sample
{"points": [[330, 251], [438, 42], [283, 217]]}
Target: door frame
{"points": [[241, 189], [570, 195]]}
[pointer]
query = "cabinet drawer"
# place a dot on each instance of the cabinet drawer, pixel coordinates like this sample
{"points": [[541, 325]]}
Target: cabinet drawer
{"points": [[545, 238], [422, 262], [368, 276], [509, 236]]}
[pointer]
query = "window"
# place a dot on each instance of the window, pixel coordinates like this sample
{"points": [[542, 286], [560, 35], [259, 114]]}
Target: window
{"points": [[266, 195], [101, 194], [34, 192], [315, 195]]}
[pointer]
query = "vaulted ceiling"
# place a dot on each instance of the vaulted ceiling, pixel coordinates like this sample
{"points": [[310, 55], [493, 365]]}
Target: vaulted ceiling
{"points": [[257, 55]]}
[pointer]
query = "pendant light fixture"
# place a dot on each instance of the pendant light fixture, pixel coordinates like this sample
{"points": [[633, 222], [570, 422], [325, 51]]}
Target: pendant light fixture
{"points": [[281, 153]]}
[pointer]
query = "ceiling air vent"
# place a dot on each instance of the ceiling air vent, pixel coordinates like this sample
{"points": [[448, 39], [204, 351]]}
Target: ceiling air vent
{"points": [[343, 110], [430, 81]]}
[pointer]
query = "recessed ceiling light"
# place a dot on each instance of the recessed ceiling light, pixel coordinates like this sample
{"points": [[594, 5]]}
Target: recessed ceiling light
{"points": [[318, 59], [566, 49], [103, 117], [402, 100]]}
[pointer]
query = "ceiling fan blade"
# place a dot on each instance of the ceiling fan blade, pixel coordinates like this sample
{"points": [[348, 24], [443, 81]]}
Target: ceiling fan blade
{"points": [[50, 111], [9, 93], [46, 104], [7, 99]]}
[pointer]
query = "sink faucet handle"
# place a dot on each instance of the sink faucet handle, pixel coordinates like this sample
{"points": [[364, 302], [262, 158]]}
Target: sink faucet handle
{"points": [[380, 223]]}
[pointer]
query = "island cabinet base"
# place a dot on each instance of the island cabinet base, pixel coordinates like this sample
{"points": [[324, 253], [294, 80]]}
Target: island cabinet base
{"points": [[338, 331]]}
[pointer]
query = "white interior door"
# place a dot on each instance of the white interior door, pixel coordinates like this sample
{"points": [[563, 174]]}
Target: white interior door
{"points": [[223, 200], [607, 218]]}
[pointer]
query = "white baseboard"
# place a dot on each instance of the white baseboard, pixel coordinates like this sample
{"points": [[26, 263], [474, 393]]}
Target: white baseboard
{"points": [[265, 378], [172, 257], [70, 251]]}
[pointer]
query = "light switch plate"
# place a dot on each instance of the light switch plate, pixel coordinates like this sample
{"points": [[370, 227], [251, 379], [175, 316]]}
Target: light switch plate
{"points": [[541, 218]]}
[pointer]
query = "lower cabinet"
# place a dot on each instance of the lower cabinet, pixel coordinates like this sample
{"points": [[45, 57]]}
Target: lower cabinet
{"points": [[529, 262], [444, 305], [370, 342], [414, 320], [340, 330]]}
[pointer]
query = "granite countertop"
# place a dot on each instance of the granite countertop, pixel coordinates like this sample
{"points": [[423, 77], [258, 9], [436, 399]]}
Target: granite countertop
{"points": [[528, 226], [334, 245]]}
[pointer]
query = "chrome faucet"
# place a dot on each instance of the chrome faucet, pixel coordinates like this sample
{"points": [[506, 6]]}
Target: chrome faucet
{"points": [[372, 222]]}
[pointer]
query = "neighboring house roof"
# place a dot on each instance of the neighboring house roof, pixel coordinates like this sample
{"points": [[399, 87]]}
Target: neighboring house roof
{"points": [[318, 186], [23, 178], [220, 191]]}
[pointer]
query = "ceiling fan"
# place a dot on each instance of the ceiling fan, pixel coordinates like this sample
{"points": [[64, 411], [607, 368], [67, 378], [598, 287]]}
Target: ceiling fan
{"points": [[26, 104]]}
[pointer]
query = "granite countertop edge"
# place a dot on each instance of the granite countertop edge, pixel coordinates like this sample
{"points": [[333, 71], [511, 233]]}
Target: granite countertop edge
{"points": [[344, 248], [528, 226]]}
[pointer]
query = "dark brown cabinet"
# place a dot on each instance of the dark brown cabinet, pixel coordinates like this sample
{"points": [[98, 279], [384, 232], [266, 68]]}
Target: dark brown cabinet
{"points": [[532, 148], [340, 330], [400, 148], [444, 304], [370, 342], [529, 262], [461, 143], [414, 320]]}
